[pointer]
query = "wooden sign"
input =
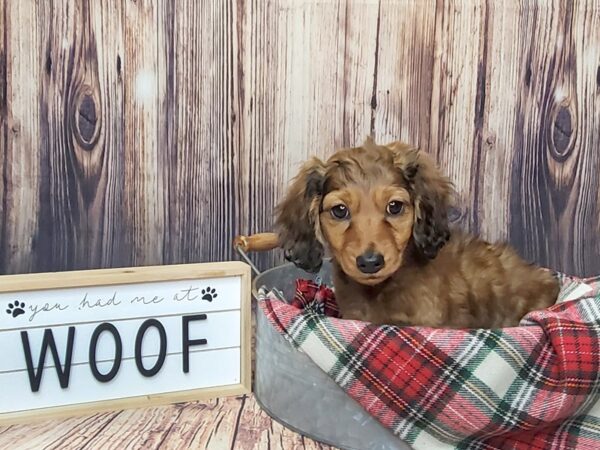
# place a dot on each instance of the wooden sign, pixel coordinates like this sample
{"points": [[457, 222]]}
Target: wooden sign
{"points": [[85, 341]]}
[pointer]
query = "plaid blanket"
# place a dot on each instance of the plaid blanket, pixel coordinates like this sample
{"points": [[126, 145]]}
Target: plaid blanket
{"points": [[534, 386]]}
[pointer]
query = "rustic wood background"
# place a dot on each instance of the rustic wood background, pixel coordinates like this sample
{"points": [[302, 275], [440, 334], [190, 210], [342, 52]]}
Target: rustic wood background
{"points": [[139, 132]]}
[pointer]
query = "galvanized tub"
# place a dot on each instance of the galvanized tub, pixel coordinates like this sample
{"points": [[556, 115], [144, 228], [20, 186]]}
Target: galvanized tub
{"points": [[294, 391]]}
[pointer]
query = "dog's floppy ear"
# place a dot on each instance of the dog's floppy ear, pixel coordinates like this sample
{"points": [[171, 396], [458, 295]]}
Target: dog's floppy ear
{"points": [[432, 195], [297, 217]]}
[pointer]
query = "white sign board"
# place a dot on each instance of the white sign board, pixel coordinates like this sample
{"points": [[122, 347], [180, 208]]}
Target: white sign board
{"points": [[75, 342]]}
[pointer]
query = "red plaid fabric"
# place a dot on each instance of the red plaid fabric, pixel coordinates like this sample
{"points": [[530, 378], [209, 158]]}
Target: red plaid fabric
{"points": [[320, 297], [535, 386]]}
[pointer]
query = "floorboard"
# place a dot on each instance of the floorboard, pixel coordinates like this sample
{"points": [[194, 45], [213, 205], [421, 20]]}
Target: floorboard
{"points": [[224, 423]]}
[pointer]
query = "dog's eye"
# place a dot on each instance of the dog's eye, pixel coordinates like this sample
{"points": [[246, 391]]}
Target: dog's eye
{"points": [[340, 212], [395, 207]]}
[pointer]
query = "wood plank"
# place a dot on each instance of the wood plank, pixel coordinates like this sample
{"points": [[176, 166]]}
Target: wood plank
{"points": [[460, 28], [55, 434], [21, 136], [581, 221], [532, 213], [496, 144], [235, 422], [406, 45], [71, 75], [204, 159], [207, 425], [106, 226], [3, 124], [144, 202], [142, 428], [358, 63], [80, 108]]}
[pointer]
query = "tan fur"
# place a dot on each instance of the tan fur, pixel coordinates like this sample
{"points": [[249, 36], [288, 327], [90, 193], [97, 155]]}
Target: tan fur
{"points": [[432, 276]]}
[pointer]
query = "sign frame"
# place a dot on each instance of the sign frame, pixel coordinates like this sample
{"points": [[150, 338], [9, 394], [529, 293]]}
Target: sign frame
{"points": [[48, 281]]}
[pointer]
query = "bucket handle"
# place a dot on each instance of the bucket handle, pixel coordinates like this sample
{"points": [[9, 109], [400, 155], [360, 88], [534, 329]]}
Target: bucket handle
{"points": [[259, 242]]}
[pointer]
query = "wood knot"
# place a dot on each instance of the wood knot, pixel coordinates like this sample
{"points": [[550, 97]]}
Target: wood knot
{"points": [[562, 132], [528, 76], [15, 128], [87, 129]]}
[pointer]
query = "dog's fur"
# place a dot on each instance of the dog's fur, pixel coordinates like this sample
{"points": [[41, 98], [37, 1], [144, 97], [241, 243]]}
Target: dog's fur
{"points": [[431, 276]]}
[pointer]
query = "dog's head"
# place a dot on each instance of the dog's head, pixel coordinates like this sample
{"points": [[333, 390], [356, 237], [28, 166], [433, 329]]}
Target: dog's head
{"points": [[365, 205]]}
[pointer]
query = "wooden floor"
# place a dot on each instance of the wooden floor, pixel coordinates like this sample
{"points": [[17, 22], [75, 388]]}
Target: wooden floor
{"points": [[226, 423]]}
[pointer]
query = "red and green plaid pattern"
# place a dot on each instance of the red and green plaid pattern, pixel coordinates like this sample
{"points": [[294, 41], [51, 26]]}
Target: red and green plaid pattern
{"points": [[535, 386]]}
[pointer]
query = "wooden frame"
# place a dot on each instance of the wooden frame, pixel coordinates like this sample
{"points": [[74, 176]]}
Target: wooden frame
{"points": [[128, 276]]}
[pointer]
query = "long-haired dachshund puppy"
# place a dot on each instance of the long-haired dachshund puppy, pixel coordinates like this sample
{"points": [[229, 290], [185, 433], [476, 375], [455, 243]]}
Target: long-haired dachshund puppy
{"points": [[380, 212]]}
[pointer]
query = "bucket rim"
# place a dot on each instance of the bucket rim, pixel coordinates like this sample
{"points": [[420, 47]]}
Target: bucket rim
{"points": [[254, 287]]}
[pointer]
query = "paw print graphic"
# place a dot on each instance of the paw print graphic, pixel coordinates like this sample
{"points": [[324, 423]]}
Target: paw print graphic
{"points": [[209, 294], [16, 309]]}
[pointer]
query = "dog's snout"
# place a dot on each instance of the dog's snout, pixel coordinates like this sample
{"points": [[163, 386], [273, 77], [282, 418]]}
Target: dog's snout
{"points": [[370, 262]]}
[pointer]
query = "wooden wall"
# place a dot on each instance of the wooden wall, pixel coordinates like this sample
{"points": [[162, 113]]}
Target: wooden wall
{"points": [[139, 132]]}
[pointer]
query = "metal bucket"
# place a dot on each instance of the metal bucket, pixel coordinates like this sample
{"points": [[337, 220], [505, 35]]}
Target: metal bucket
{"points": [[294, 391]]}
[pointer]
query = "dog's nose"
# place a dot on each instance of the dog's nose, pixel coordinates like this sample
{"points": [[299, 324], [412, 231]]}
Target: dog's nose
{"points": [[370, 262]]}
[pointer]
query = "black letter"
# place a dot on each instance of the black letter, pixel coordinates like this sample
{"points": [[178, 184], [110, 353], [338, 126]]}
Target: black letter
{"points": [[48, 340], [186, 339], [118, 352], [138, 347]]}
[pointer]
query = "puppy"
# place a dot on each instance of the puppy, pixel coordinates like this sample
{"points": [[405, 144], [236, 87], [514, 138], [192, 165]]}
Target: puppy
{"points": [[380, 212]]}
